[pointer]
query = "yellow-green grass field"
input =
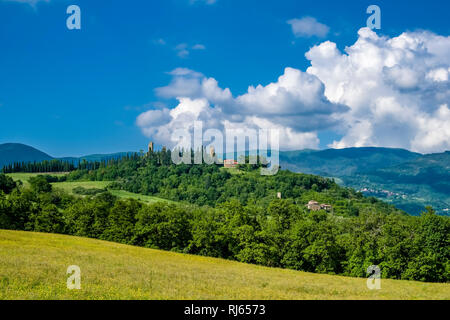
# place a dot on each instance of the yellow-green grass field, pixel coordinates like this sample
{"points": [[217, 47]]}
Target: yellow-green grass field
{"points": [[137, 196], [69, 186], [34, 265], [24, 177]]}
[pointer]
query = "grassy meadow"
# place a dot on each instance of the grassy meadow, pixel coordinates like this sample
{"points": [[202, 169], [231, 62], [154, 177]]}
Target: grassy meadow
{"points": [[137, 196], [33, 266], [23, 176], [69, 186]]}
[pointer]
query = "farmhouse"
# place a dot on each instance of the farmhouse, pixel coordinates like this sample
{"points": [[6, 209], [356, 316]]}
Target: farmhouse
{"points": [[315, 206]]}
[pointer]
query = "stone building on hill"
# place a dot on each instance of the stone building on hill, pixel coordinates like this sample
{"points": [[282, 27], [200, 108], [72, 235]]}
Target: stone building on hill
{"points": [[316, 206]]}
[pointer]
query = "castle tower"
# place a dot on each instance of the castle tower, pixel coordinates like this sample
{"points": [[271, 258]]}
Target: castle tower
{"points": [[150, 147]]}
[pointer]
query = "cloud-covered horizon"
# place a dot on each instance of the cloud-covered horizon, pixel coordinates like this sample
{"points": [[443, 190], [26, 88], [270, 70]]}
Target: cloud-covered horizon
{"points": [[381, 92]]}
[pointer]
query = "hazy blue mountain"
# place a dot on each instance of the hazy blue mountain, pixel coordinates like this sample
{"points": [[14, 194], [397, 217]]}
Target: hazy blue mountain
{"points": [[411, 185], [431, 169], [409, 180], [17, 152], [344, 162]]}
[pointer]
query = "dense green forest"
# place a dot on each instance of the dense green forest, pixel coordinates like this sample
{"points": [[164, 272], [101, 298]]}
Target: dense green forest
{"points": [[235, 214], [43, 166], [408, 180], [154, 174], [56, 165]]}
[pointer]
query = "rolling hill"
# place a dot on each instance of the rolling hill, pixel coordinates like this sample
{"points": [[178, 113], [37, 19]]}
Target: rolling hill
{"points": [[406, 179], [432, 169], [17, 152], [410, 185], [344, 162], [34, 265]]}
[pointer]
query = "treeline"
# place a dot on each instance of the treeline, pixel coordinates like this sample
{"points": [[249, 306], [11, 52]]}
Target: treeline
{"points": [[282, 234], [39, 167], [57, 165], [159, 158], [106, 162]]}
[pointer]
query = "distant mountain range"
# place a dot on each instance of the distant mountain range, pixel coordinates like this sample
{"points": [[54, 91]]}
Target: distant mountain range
{"points": [[17, 152], [344, 162], [409, 180], [14, 152]]}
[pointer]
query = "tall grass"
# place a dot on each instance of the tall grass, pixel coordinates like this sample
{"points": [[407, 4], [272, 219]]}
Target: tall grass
{"points": [[33, 266]]}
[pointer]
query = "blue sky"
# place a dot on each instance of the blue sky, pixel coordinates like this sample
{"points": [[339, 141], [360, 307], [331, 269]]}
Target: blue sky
{"points": [[75, 92]]}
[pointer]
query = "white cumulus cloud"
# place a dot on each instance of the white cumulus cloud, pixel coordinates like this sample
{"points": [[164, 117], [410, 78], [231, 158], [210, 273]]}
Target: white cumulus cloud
{"points": [[381, 91], [295, 105], [397, 89]]}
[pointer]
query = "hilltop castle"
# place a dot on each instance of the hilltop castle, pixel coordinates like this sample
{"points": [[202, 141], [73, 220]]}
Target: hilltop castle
{"points": [[150, 147]]}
